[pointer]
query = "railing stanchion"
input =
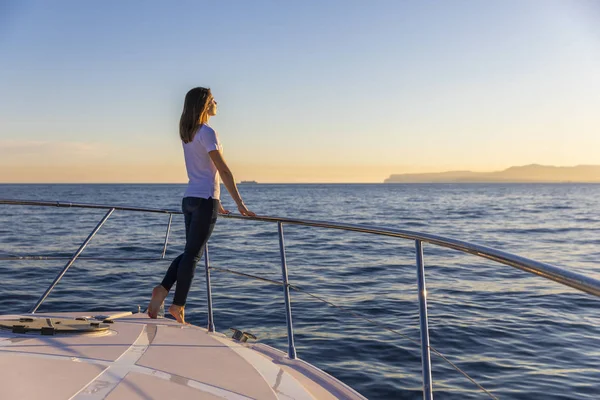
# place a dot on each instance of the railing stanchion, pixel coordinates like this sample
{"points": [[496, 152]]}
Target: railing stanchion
{"points": [[286, 295], [71, 261], [167, 236], [425, 354], [211, 324]]}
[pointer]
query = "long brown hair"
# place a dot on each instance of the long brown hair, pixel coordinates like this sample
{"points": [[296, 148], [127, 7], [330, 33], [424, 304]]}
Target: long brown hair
{"points": [[194, 112]]}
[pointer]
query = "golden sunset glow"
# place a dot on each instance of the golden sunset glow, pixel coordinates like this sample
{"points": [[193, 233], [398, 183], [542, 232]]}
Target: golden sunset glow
{"points": [[351, 97]]}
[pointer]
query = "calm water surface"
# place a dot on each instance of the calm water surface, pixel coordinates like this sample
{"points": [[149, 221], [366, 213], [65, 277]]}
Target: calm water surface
{"points": [[518, 335]]}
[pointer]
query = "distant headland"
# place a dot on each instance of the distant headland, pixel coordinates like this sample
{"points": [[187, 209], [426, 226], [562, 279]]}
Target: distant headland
{"points": [[533, 173]]}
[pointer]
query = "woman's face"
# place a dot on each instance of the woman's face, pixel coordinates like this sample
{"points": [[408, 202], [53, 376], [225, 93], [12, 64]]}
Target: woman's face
{"points": [[211, 107]]}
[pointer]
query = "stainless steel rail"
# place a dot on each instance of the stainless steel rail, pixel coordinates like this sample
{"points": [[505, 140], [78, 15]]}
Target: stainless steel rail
{"points": [[210, 323], [71, 261], [82, 205], [286, 294], [560, 275], [423, 323]]}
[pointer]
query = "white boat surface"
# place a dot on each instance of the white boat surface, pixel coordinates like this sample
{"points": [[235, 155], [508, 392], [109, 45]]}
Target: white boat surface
{"points": [[136, 357]]}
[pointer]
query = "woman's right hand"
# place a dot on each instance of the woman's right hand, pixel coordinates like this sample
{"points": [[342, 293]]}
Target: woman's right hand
{"points": [[245, 212]]}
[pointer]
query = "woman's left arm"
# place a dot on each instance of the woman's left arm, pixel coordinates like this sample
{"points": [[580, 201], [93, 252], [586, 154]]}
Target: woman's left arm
{"points": [[227, 177], [222, 210]]}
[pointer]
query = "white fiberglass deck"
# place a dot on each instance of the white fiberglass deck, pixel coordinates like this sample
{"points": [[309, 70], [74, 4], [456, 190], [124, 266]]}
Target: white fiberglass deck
{"points": [[142, 358]]}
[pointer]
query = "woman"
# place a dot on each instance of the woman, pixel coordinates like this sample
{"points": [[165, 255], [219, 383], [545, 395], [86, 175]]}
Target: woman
{"points": [[204, 163]]}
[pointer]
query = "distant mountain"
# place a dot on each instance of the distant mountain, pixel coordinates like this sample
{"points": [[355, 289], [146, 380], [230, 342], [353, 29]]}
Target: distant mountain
{"points": [[527, 173]]}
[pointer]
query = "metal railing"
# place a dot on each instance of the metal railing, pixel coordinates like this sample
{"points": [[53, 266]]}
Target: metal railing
{"points": [[547, 271]]}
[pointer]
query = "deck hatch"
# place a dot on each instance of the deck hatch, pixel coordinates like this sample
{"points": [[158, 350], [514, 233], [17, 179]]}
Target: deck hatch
{"points": [[51, 326]]}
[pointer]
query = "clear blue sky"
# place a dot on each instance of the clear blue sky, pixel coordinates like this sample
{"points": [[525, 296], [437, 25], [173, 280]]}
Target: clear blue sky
{"points": [[305, 89]]}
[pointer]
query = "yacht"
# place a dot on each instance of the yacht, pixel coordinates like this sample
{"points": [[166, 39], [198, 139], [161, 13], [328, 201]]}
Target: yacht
{"points": [[123, 354]]}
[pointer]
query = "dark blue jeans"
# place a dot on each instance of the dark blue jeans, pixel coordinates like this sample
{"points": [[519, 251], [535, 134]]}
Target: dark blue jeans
{"points": [[200, 218]]}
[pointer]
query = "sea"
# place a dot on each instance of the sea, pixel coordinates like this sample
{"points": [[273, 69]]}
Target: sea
{"points": [[356, 317]]}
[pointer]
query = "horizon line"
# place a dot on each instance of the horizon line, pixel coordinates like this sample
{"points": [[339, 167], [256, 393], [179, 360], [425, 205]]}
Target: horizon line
{"points": [[308, 183]]}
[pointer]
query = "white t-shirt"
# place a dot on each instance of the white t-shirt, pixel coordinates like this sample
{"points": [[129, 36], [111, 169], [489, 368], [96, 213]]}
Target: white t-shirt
{"points": [[203, 175]]}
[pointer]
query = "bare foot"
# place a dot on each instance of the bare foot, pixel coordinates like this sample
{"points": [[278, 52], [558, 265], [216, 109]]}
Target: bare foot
{"points": [[177, 313], [159, 293]]}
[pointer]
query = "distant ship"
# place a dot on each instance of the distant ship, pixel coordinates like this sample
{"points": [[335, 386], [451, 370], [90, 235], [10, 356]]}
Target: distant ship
{"points": [[249, 182]]}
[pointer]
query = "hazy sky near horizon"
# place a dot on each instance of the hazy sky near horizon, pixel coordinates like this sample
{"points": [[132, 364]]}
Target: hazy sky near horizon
{"points": [[311, 91]]}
